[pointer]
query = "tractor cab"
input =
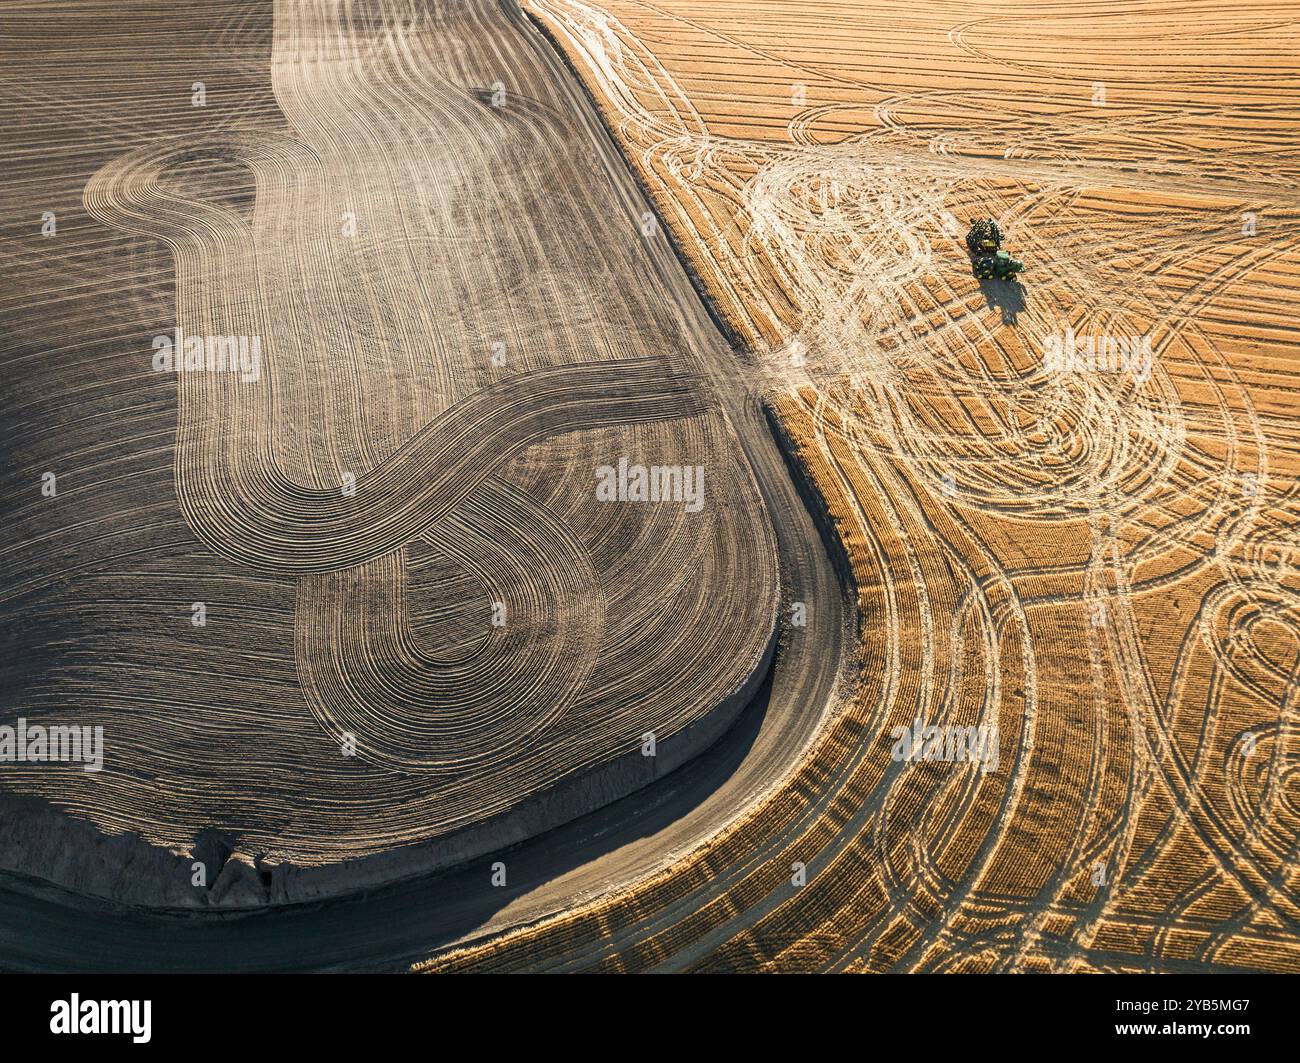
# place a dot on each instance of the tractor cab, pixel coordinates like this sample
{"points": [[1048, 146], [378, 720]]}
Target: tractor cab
{"points": [[988, 260]]}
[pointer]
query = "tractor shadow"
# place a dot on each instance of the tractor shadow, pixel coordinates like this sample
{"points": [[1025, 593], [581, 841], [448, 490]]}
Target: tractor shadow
{"points": [[1008, 297]]}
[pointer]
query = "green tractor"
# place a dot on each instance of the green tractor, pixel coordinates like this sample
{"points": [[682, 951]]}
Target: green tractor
{"points": [[984, 242]]}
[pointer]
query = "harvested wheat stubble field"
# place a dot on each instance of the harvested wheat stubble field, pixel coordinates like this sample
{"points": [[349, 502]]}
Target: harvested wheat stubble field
{"points": [[389, 518], [1103, 565], [463, 307]]}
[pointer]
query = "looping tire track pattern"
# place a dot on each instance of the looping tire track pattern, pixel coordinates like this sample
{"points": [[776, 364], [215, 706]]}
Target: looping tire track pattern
{"points": [[364, 613], [990, 509]]}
